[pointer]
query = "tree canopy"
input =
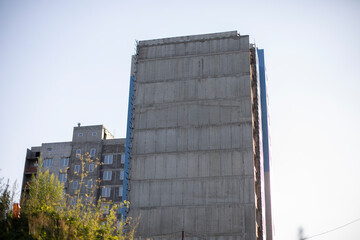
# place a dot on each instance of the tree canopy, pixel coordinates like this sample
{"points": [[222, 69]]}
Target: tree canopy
{"points": [[48, 213]]}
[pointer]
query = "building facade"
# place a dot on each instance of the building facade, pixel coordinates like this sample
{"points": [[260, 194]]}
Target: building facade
{"points": [[94, 151], [194, 149], [195, 163]]}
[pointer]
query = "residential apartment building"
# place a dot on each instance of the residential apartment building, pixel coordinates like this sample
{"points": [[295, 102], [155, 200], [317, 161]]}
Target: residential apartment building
{"points": [[94, 151], [196, 163], [56, 158], [194, 153]]}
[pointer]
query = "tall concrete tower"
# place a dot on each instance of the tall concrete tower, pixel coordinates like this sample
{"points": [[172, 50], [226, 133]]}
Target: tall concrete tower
{"points": [[194, 151]]}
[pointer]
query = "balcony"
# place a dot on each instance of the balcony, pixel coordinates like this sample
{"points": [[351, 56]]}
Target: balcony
{"points": [[30, 170]]}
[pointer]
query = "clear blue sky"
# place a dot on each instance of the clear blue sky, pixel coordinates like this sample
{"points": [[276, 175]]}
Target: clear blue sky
{"points": [[64, 62]]}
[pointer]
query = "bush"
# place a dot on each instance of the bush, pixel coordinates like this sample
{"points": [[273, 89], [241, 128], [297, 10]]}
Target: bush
{"points": [[48, 213], [11, 228]]}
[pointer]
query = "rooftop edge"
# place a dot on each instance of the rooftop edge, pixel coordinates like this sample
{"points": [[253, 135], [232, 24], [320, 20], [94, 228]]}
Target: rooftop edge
{"points": [[189, 38]]}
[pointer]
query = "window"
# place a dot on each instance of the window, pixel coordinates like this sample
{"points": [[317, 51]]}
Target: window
{"points": [[90, 183], [48, 162], [91, 167], [94, 133], [123, 158], [80, 134], [64, 162], [108, 159], [76, 168], [106, 192], [121, 189], [107, 175], [62, 177], [122, 175], [92, 152], [49, 149], [78, 153], [75, 184]]}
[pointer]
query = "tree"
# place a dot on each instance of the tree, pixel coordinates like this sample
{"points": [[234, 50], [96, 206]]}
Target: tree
{"points": [[11, 228], [54, 215], [5, 202], [44, 205]]}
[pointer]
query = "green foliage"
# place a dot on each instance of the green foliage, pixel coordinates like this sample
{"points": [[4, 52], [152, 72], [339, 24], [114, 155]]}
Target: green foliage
{"points": [[11, 228], [53, 215], [45, 193], [5, 202], [48, 213]]}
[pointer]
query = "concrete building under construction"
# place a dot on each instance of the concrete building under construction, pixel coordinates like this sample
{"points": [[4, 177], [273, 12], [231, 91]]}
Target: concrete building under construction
{"points": [[197, 149]]}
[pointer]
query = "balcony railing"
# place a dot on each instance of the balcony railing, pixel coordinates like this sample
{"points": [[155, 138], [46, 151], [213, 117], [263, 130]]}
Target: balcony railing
{"points": [[30, 170]]}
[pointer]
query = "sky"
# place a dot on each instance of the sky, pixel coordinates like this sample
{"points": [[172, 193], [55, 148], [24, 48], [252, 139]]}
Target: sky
{"points": [[64, 62]]}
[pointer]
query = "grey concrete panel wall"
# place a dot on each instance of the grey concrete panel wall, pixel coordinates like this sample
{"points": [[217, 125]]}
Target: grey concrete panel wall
{"points": [[192, 164], [197, 138], [191, 192], [194, 48], [193, 67], [237, 220], [88, 133], [56, 151]]}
